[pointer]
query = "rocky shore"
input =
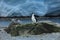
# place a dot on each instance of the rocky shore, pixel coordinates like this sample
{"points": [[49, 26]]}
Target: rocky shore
{"points": [[16, 29], [45, 31]]}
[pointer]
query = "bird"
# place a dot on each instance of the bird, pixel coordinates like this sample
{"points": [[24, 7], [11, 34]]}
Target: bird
{"points": [[13, 20], [19, 21], [33, 18], [16, 21]]}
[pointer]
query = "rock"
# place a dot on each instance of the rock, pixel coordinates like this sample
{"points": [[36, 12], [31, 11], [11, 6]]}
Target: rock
{"points": [[32, 28]]}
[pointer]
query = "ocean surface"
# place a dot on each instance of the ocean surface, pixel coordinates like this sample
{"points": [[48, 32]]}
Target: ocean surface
{"points": [[5, 23]]}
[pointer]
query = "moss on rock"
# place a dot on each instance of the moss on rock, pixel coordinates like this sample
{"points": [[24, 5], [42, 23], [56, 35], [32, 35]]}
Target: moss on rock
{"points": [[31, 29]]}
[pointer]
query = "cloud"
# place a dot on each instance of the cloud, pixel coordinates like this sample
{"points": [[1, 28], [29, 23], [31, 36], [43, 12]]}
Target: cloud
{"points": [[26, 7]]}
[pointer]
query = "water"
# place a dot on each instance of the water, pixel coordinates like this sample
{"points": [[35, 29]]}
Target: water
{"points": [[57, 20], [4, 23]]}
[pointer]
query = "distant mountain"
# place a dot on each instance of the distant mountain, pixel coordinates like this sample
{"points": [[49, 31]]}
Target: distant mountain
{"points": [[14, 14], [53, 14]]}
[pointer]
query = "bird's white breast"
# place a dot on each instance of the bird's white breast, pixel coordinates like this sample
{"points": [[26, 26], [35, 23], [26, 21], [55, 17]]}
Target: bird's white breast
{"points": [[33, 18]]}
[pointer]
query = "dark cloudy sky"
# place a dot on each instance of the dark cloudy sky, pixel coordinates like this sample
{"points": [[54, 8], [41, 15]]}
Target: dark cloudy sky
{"points": [[26, 7]]}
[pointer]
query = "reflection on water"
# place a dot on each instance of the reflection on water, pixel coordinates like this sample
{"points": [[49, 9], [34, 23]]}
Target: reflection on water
{"points": [[57, 20], [23, 21]]}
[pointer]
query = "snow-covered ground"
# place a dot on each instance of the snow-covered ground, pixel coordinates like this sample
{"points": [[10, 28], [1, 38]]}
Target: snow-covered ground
{"points": [[51, 36]]}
